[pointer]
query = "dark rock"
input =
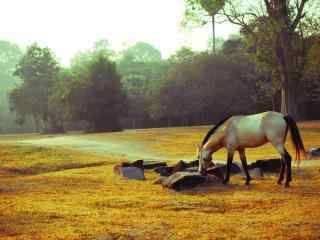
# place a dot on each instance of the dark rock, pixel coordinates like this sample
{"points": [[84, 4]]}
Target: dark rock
{"points": [[186, 180], [137, 164], [130, 172], [178, 167], [217, 171], [160, 180], [194, 163], [164, 171], [183, 180], [143, 164], [269, 165], [213, 179], [152, 164], [192, 169], [235, 168], [256, 173], [314, 152]]}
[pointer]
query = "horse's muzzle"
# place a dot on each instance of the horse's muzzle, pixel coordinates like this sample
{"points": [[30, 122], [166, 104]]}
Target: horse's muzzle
{"points": [[203, 172]]}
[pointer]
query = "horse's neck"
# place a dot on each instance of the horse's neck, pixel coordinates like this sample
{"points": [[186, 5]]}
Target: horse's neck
{"points": [[214, 143]]}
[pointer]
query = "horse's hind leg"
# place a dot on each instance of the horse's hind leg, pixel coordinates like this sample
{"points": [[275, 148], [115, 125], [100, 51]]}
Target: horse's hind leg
{"points": [[288, 162], [229, 162], [244, 165], [285, 164], [283, 167]]}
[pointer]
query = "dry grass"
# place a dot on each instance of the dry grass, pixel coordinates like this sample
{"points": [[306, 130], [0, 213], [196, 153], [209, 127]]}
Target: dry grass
{"points": [[64, 194]]}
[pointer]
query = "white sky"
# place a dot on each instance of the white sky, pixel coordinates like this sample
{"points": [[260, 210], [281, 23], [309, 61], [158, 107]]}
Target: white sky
{"points": [[69, 26]]}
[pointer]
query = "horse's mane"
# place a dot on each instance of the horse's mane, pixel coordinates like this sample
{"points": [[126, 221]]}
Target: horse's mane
{"points": [[213, 130]]}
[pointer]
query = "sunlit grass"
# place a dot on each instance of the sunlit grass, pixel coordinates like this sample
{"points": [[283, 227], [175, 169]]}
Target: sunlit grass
{"points": [[181, 142], [51, 193]]}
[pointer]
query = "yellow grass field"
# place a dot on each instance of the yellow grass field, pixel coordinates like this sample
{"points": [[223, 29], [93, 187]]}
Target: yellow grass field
{"points": [[62, 193]]}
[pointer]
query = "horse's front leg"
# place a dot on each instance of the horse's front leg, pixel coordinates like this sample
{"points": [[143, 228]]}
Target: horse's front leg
{"points": [[245, 165], [229, 162]]}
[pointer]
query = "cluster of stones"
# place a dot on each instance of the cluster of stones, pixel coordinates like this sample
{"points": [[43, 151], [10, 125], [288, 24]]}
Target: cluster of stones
{"points": [[185, 175]]}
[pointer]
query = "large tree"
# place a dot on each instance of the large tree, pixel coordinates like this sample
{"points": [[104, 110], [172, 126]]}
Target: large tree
{"points": [[95, 93], [10, 55], [204, 87], [285, 24], [141, 67], [38, 69]]}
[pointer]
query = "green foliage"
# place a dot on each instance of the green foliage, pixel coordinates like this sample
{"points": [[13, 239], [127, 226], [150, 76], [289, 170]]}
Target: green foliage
{"points": [[205, 87], [312, 71], [141, 68], [38, 70], [199, 12], [95, 94], [181, 55], [194, 14], [142, 52], [212, 7], [10, 55]]}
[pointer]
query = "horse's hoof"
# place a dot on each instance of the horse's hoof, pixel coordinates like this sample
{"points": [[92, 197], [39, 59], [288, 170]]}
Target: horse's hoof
{"points": [[286, 185], [247, 183], [279, 182]]}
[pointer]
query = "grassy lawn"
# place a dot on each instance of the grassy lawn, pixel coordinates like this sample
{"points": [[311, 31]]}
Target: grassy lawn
{"points": [[51, 193], [180, 142]]}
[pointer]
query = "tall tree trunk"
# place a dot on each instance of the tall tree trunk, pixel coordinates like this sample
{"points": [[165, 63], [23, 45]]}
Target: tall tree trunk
{"points": [[285, 68], [213, 35], [283, 38]]}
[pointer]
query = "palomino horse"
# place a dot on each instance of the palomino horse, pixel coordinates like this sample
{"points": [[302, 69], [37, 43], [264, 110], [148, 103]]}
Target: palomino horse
{"points": [[239, 132]]}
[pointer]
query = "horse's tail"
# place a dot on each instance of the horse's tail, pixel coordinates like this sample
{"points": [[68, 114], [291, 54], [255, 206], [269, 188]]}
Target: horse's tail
{"points": [[295, 137]]}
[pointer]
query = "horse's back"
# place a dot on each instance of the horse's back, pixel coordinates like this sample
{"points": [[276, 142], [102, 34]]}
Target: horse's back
{"points": [[253, 130]]}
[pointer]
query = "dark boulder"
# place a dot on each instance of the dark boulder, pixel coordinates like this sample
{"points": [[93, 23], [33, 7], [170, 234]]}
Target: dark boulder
{"points": [[256, 173], [137, 164], [133, 170], [187, 180], [194, 163], [130, 172], [314, 152], [164, 171], [183, 180], [178, 167], [193, 167], [268, 165], [152, 164], [219, 170]]}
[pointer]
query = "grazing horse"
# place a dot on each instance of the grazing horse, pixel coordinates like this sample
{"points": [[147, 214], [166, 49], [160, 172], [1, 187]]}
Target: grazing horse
{"points": [[236, 133]]}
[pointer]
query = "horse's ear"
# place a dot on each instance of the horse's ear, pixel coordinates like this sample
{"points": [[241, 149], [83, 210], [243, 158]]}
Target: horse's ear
{"points": [[197, 148]]}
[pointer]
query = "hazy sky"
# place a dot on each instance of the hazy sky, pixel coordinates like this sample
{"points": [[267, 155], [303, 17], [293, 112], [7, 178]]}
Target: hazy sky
{"points": [[69, 26]]}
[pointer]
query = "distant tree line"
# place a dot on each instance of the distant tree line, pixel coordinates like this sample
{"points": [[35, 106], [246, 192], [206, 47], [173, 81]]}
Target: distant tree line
{"points": [[104, 90]]}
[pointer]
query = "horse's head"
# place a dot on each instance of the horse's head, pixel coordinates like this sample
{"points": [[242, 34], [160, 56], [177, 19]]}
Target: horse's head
{"points": [[205, 159]]}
